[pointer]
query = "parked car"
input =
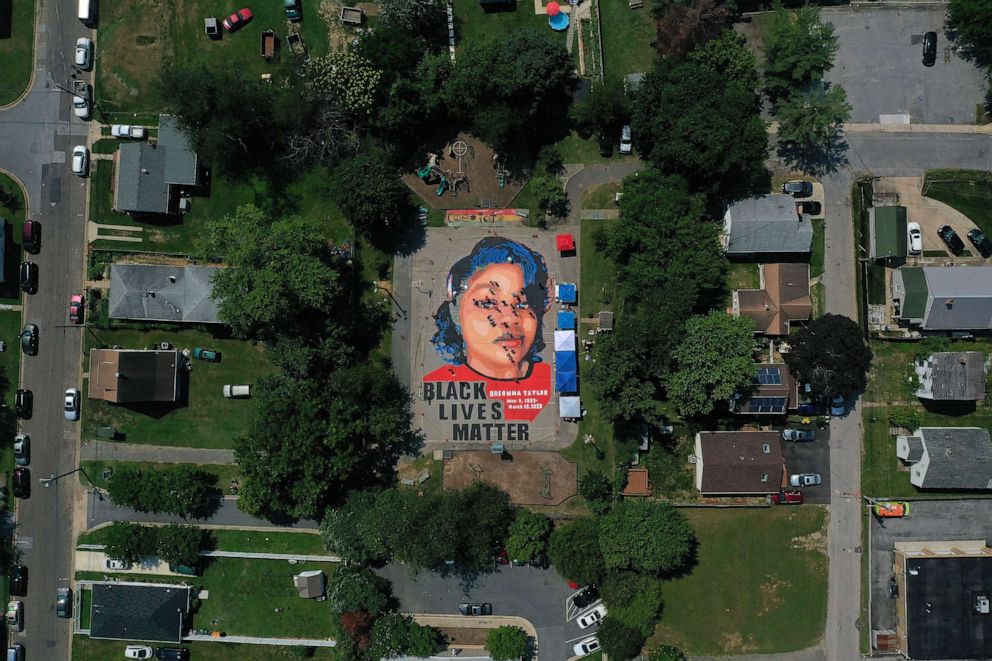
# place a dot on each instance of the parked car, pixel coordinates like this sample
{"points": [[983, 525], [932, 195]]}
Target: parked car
{"points": [[27, 276], [237, 20], [895, 509], [117, 565], [137, 652], [788, 498], [21, 482], [19, 581], [80, 160], [809, 408], [208, 355], [812, 208], [24, 403], [587, 646], [915, 238], [799, 435], [31, 236], [293, 11], [237, 392], [502, 557], [76, 308], [595, 616], [475, 609], [838, 406], [127, 131], [80, 106], [797, 188], [29, 339], [63, 602], [15, 615], [981, 242], [805, 479], [585, 596], [22, 449], [929, 49], [172, 654], [951, 239], [605, 145], [71, 407], [626, 146], [84, 53]]}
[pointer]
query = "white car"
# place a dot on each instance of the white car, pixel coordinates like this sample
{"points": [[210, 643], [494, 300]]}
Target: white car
{"points": [[117, 565], [625, 144], [80, 160], [81, 107], [127, 131], [84, 53], [595, 616], [915, 238], [587, 646], [72, 404], [805, 479], [138, 652]]}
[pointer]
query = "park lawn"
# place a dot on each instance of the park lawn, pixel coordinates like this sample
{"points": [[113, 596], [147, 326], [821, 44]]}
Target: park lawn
{"points": [[94, 471], [760, 585], [576, 149], [87, 649], [882, 474], [207, 419], [137, 37], [968, 191], [601, 196], [819, 248], [472, 24], [13, 208], [600, 453], [17, 51], [10, 366], [598, 286], [627, 37]]}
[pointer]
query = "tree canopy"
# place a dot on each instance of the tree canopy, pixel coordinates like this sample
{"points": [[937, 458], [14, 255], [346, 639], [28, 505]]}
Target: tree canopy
{"points": [[574, 551], [181, 490], [799, 48], [507, 643], [809, 126], [728, 54], [129, 542], [394, 634], [180, 545], [618, 640], [647, 537], [597, 490], [370, 194], [528, 535], [635, 600], [357, 588], [830, 355], [970, 21]]}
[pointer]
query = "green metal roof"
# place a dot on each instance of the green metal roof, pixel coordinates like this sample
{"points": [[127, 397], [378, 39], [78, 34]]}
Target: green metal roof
{"points": [[915, 304], [889, 232]]}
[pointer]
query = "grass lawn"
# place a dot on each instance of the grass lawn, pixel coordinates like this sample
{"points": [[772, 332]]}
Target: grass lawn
{"points": [[13, 208], [598, 287], [576, 149], [86, 649], [968, 191], [599, 455], [627, 37], [136, 37], [474, 24], [17, 51], [601, 196], [10, 365], [819, 247], [742, 275], [760, 585], [95, 469], [207, 420], [818, 296]]}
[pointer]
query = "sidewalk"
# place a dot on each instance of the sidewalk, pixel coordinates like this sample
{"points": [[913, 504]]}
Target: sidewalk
{"points": [[160, 454]]}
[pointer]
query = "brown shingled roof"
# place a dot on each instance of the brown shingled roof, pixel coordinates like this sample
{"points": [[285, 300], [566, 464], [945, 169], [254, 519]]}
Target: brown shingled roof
{"points": [[738, 463], [784, 298]]}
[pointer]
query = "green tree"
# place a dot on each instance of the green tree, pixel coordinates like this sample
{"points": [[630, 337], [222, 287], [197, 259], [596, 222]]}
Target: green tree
{"points": [[619, 641], [550, 196], [312, 442], [130, 542], [699, 123], [647, 537], [369, 192], [355, 531], [181, 490], [831, 355], [357, 588], [635, 600], [605, 110], [347, 77], [714, 360], [506, 643], [809, 125], [528, 535], [798, 47], [970, 21], [411, 15], [181, 545], [597, 490], [574, 551], [686, 25], [666, 653], [729, 56], [423, 641]]}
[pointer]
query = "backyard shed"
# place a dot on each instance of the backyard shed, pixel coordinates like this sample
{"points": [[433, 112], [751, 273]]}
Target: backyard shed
{"points": [[311, 584], [887, 232]]}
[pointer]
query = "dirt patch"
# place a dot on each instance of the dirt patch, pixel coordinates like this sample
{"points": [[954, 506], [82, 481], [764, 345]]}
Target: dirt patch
{"points": [[815, 541], [771, 593], [531, 478], [460, 636], [734, 643]]}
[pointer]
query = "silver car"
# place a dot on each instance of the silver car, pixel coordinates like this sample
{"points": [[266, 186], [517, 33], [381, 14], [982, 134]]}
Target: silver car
{"points": [[805, 480], [84, 53], [80, 160], [71, 404]]}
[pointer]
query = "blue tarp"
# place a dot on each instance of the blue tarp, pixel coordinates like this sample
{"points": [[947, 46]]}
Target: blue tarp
{"points": [[566, 320], [566, 381], [566, 360], [566, 292]]}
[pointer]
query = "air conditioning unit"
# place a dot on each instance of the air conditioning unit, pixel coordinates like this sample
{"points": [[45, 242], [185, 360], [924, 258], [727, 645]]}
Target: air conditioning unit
{"points": [[982, 604], [693, 458]]}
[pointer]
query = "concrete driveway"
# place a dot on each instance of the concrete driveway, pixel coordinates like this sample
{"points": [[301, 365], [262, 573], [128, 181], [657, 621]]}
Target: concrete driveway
{"points": [[878, 63], [928, 212]]}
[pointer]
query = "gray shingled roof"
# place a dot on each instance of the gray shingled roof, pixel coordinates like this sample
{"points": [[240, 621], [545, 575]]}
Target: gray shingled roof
{"points": [[958, 375], [162, 293], [141, 183], [915, 445], [960, 298], [960, 458], [126, 611], [180, 161], [768, 224]]}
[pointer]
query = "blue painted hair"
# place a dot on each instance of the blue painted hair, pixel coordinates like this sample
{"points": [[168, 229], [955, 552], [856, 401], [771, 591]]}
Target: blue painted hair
{"points": [[491, 250]]}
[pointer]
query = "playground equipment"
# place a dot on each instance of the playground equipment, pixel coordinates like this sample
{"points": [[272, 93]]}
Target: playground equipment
{"points": [[430, 172], [502, 174], [442, 186], [460, 179]]}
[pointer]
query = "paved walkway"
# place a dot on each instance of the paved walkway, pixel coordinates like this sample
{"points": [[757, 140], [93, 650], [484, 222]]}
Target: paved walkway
{"points": [[599, 214], [252, 640], [594, 175], [271, 556], [160, 454]]}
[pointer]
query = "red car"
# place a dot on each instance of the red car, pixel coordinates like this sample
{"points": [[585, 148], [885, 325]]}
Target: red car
{"points": [[788, 498], [237, 20], [76, 308]]}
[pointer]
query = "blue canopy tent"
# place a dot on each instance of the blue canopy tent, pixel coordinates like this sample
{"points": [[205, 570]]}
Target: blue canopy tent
{"points": [[566, 381], [566, 360], [566, 320], [566, 292]]}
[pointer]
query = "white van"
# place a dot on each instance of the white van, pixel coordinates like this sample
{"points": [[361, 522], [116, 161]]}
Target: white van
{"points": [[237, 391], [86, 11]]}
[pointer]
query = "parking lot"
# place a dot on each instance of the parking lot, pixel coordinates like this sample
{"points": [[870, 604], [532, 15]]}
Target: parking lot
{"points": [[928, 520], [879, 64], [811, 457]]}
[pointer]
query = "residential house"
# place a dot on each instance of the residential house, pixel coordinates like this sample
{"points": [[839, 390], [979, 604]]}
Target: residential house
{"points": [[125, 376], [783, 297], [952, 376], [153, 612], [887, 233], [739, 463], [943, 298], [148, 177], [153, 292], [773, 391], [766, 226], [952, 458]]}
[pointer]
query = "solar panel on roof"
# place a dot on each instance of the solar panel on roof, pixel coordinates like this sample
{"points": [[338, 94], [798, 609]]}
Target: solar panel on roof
{"points": [[766, 405], [768, 376]]}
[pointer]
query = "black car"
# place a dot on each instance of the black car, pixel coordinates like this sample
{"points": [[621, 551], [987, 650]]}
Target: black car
{"points": [[31, 236], [22, 482], [981, 242], [29, 339], [585, 596], [172, 653], [63, 603], [28, 276], [23, 403], [929, 49], [475, 609], [797, 188], [812, 208], [19, 581], [605, 145], [951, 239]]}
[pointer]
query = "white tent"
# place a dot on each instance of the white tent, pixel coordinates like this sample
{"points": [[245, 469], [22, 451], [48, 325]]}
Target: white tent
{"points": [[569, 407], [564, 340]]}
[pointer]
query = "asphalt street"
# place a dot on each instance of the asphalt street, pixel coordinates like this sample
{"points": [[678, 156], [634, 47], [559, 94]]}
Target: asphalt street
{"points": [[35, 136]]}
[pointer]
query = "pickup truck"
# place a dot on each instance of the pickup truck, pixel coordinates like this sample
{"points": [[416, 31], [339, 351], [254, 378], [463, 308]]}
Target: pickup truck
{"points": [[81, 99], [127, 131]]}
